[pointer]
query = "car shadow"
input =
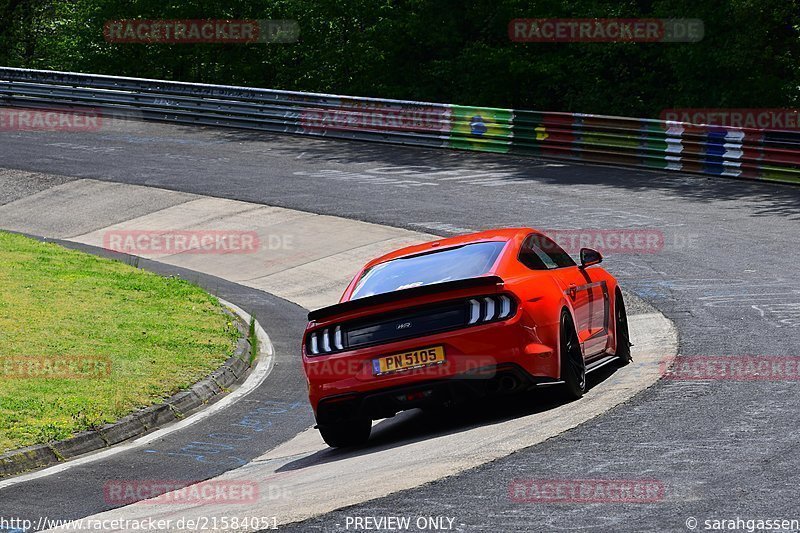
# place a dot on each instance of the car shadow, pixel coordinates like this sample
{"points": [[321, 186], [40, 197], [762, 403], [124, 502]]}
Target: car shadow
{"points": [[418, 425]]}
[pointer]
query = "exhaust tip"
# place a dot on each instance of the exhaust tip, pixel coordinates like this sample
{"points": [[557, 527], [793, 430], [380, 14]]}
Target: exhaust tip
{"points": [[508, 383]]}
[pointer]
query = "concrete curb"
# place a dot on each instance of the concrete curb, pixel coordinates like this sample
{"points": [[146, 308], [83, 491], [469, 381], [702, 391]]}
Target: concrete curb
{"points": [[311, 474], [136, 424]]}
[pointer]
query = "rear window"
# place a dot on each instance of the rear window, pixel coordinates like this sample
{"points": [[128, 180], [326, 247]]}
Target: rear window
{"points": [[463, 262]]}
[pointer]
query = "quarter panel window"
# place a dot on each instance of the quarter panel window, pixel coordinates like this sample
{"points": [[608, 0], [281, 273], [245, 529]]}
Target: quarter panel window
{"points": [[540, 252]]}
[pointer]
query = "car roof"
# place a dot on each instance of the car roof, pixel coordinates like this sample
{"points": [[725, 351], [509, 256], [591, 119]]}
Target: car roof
{"points": [[501, 234]]}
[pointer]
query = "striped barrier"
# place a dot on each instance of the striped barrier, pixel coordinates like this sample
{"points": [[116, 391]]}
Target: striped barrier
{"points": [[761, 154], [713, 150]]}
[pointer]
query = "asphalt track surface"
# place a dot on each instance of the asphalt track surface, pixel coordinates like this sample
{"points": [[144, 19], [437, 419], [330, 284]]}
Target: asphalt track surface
{"points": [[726, 276]]}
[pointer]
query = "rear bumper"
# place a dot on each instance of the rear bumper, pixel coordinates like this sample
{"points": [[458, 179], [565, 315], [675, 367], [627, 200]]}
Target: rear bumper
{"points": [[479, 360], [384, 403]]}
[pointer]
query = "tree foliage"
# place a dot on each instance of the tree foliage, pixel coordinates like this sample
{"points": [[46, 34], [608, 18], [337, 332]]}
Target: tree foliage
{"points": [[438, 50]]}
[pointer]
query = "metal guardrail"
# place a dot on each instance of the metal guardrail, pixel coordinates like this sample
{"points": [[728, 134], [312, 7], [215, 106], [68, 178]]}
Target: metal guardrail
{"points": [[716, 150]]}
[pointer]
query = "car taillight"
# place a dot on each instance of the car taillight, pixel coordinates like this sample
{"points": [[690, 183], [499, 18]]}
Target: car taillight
{"points": [[415, 322], [337, 338], [489, 308], [474, 311], [325, 341], [506, 306]]}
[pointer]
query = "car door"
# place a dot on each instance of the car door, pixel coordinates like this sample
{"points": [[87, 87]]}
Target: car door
{"points": [[585, 289], [540, 253], [596, 290], [580, 294]]}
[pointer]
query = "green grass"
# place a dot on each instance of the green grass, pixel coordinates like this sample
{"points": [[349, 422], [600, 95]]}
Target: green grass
{"points": [[160, 335], [253, 338]]}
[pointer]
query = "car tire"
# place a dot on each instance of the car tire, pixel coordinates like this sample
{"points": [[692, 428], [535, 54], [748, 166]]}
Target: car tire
{"points": [[573, 367], [346, 434], [621, 332]]}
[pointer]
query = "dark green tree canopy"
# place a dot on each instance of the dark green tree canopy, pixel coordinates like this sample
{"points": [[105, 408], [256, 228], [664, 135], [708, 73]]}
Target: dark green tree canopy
{"points": [[439, 50]]}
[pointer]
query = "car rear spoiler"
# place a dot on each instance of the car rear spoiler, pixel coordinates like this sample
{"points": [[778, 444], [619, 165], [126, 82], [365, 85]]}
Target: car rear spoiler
{"points": [[353, 305]]}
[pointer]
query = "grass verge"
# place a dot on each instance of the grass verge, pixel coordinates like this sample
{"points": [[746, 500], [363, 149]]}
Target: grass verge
{"points": [[253, 338], [85, 340]]}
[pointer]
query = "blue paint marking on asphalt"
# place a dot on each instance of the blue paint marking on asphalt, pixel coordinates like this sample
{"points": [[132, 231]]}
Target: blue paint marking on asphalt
{"points": [[220, 448], [229, 436], [200, 452], [657, 290]]}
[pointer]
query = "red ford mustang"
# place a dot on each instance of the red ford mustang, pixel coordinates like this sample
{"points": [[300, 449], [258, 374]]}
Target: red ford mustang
{"points": [[499, 311]]}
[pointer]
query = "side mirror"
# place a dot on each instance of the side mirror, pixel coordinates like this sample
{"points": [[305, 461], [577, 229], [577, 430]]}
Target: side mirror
{"points": [[590, 257]]}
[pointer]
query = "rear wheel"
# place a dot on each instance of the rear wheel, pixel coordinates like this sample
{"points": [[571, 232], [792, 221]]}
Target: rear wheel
{"points": [[573, 367], [623, 351], [347, 433]]}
